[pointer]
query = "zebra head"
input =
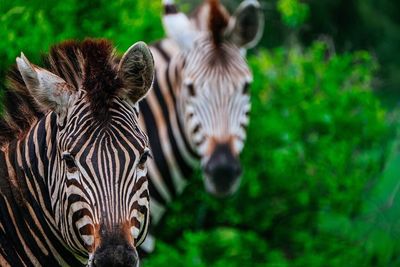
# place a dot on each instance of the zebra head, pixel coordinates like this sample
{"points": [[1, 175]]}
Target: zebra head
{"points": [[213, 78], [98, 184]]}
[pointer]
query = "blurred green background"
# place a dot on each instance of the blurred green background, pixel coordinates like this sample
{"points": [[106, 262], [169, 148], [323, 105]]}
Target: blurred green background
{"points": [[322, 159]]}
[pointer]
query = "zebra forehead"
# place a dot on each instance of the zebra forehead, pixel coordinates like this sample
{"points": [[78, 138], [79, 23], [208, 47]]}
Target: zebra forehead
{"points": [[210, 62], [116, 135], [90, 65]]}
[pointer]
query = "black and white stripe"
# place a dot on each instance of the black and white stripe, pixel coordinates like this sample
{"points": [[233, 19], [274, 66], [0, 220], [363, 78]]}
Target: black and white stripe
{"points": [[74, 185], [200, 102]]}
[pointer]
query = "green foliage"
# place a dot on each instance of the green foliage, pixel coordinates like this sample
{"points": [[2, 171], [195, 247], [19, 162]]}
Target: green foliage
{"points": [[317, 138], [33, 26], [294, 13], [200, 249], [360, 24]]}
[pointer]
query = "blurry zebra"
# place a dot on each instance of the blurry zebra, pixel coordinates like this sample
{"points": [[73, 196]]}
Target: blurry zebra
{"points": [[198, 110], [73, 185]]}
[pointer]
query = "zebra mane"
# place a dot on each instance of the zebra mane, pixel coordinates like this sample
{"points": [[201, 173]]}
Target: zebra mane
{"points": [[218, 21], [90, 65]]}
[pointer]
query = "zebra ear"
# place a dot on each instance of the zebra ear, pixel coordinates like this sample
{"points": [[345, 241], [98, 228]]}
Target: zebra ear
{"points": [[177, 25], [246, 26], [136, 69], [48, 90]]}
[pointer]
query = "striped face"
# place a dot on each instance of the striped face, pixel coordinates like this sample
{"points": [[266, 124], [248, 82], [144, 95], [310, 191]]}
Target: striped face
{"points": [[96, 153], [103, 189], [213, 80], [215, 104]]}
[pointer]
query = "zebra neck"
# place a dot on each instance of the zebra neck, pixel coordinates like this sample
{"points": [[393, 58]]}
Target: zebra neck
{"points": [[27, 220], [35, 162], [173, 159], [26, 171], [166, 91]]}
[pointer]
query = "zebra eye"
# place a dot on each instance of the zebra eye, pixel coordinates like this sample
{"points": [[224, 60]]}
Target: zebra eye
{"points": [[191, 89], [144, 158], [246, 87], [69, 161]]}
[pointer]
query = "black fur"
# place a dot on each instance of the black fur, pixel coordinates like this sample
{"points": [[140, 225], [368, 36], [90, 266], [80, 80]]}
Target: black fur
{"points": [[218, 21]]}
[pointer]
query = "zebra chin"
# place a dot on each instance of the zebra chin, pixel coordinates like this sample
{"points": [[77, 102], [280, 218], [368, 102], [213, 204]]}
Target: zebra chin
{"points": [[214, 190]]}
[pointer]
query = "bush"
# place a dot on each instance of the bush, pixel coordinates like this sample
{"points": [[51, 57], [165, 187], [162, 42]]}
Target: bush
{"points": [[32, 27], [316, 140]]}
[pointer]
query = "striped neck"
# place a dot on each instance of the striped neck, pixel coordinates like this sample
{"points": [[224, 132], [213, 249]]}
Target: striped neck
{"points": [[26, 188], [166, 89]]}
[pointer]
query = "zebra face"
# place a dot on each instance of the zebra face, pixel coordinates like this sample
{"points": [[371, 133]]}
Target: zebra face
{"points": [[213, 78], [215, 104], [97, 154], [105, 183]]}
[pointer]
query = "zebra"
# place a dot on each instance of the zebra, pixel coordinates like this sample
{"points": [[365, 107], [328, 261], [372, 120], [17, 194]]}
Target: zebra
{"points": [[73, 184], [197, 113]]}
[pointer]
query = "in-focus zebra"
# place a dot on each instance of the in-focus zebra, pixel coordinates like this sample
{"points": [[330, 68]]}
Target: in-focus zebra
{"points": [[198, 109], [73, 185]]}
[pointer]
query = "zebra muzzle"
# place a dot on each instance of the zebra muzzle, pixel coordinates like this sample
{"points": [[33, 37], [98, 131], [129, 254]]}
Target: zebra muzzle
{"points": [[115, 251], [222, 172]]}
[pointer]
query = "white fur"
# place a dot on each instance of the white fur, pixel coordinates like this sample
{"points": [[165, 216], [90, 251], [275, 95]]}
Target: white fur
{"points": [[179, 28], [46, 87]]}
